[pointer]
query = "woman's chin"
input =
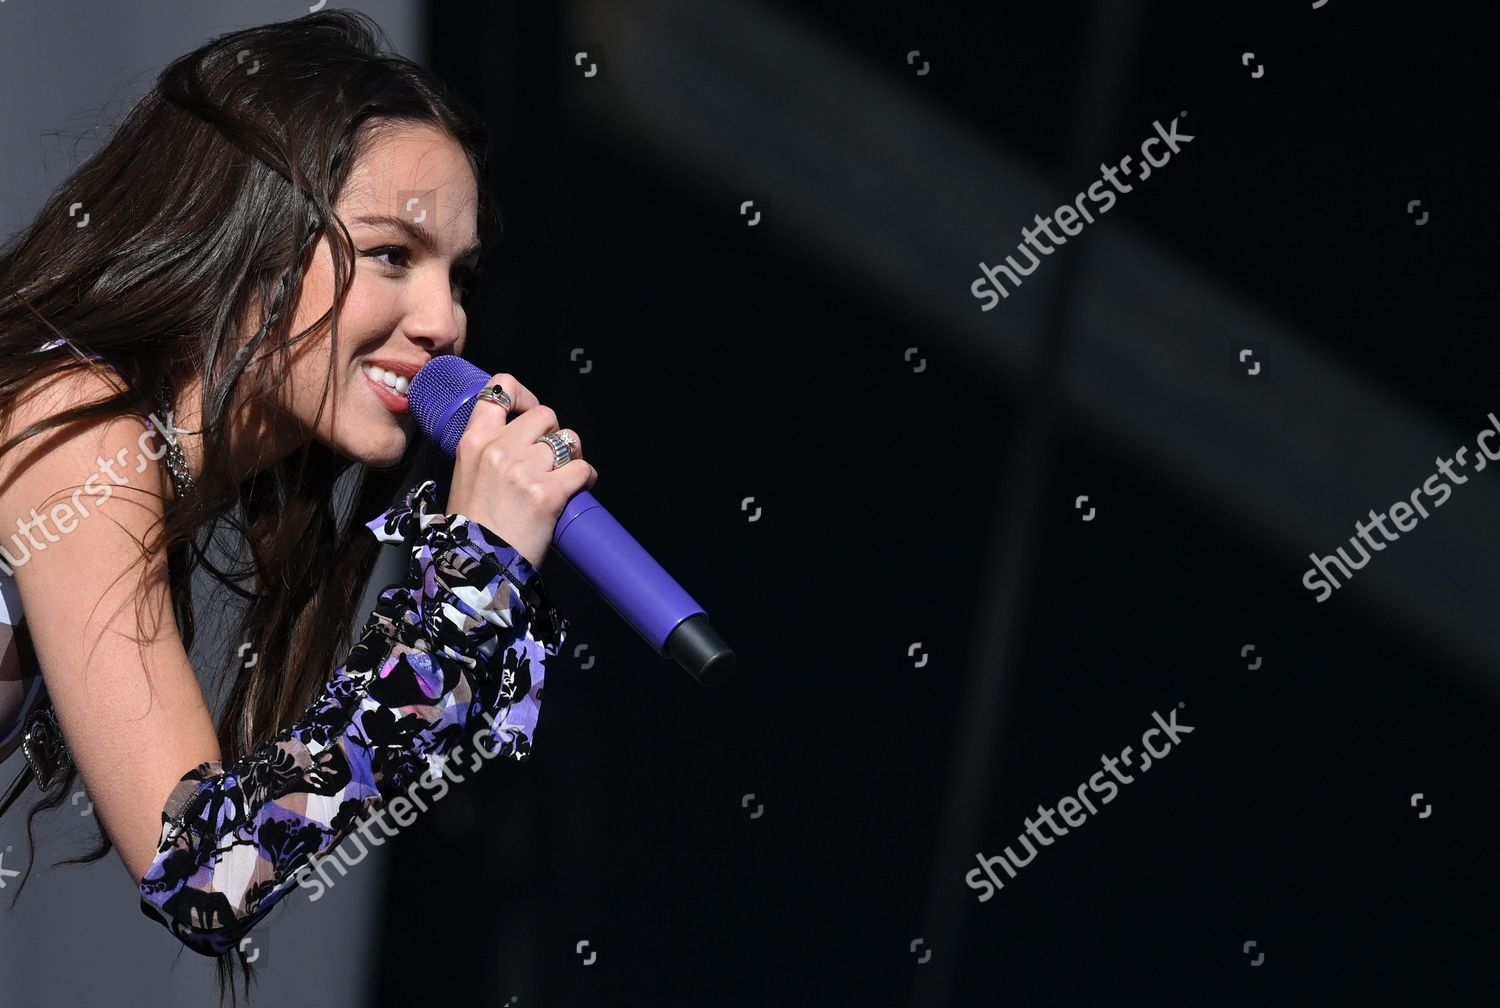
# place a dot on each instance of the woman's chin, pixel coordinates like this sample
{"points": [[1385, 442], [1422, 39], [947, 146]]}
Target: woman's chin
{"points": [[385, 460], [386, 454]]}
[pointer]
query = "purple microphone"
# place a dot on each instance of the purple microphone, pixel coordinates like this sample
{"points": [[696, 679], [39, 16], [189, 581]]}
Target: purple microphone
{"points": [[588, 537]]}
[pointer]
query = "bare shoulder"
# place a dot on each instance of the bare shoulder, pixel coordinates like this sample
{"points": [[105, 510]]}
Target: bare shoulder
{"points": [[65, 456], [80, 506]]}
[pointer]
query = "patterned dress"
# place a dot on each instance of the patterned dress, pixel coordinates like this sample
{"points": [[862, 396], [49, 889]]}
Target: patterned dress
{"points": [[450, 661]]}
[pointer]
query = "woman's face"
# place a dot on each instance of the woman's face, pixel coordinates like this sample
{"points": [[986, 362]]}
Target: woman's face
{"points": [[411, 207]]}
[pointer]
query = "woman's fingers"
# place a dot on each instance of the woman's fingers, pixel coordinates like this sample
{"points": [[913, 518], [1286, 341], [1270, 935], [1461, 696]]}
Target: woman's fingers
{"points": [[489, 418], [507, 478], [568, 434]]}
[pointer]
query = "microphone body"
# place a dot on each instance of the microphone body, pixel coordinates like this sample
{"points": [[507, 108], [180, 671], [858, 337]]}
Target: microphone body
{"points": [[587, 536]]}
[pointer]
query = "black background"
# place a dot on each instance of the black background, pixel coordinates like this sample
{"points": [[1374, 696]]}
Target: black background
{"points": [[727, 367]]}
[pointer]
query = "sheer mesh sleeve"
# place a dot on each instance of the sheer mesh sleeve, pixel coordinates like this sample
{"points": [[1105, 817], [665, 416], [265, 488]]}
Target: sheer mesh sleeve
{"points": [[422, 678]]}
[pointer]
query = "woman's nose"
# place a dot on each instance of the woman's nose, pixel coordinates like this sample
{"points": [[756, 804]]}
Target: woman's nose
{"points": [[436, 320]]}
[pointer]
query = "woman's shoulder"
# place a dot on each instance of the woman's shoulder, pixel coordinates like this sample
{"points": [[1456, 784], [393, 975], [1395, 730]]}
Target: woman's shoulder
{"points": [[63, 457], [49, 395]]}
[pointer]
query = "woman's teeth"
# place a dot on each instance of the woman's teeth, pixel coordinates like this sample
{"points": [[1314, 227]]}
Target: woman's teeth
{"points": [[396, 383]]}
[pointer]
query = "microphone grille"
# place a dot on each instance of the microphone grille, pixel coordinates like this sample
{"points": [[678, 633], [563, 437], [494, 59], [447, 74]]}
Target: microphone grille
{"points": [[441, 397]]}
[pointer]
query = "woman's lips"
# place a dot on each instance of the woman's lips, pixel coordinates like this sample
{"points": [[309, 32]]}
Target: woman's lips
{"points": [[391, 401]]}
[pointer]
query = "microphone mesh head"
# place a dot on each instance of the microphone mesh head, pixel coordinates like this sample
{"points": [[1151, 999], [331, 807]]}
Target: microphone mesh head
{"points": [[441, 397]]}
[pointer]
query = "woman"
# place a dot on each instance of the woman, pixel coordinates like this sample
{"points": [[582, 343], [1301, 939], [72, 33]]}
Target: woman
{"points": [[278, 237]]}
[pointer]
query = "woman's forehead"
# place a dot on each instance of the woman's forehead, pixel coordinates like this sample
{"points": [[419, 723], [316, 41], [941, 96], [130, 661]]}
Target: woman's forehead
{"points": [[403, 162]]}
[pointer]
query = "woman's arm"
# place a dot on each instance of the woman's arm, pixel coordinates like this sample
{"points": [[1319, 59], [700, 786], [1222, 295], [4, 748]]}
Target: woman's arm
{"points": [[128, 702], [133, 714], [459, 646]]}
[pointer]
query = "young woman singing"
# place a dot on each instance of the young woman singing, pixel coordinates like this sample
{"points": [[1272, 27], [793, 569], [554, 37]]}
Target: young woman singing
{"points": [[277, 237]]}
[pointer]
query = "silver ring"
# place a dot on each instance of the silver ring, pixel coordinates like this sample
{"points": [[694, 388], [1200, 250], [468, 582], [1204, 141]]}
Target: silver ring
{"points": [[562, 448], [496, 394]]}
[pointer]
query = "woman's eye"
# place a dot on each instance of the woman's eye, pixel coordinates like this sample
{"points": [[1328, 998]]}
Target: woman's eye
{"points": [[465, 279], [401, 252]]}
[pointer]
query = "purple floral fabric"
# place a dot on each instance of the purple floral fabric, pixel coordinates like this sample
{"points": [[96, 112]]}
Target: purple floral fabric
{"points": [[460, 645]]}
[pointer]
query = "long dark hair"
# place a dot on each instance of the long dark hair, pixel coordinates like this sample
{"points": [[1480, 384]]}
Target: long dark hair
{"points": [[205, 207]]}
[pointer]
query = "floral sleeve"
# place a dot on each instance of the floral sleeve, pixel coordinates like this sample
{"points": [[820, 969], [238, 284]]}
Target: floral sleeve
{"points": [[460, 645]]}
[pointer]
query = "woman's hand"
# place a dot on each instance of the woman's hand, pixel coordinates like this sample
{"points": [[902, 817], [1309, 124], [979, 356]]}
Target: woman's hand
{"points": [[503, 477]]}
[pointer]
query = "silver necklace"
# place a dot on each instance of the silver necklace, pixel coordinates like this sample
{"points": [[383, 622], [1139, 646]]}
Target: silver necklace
{"points": [[182, 479]]}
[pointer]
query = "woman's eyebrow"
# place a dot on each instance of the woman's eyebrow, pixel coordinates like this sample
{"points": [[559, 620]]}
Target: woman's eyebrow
{"points": [[418, 233]]}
